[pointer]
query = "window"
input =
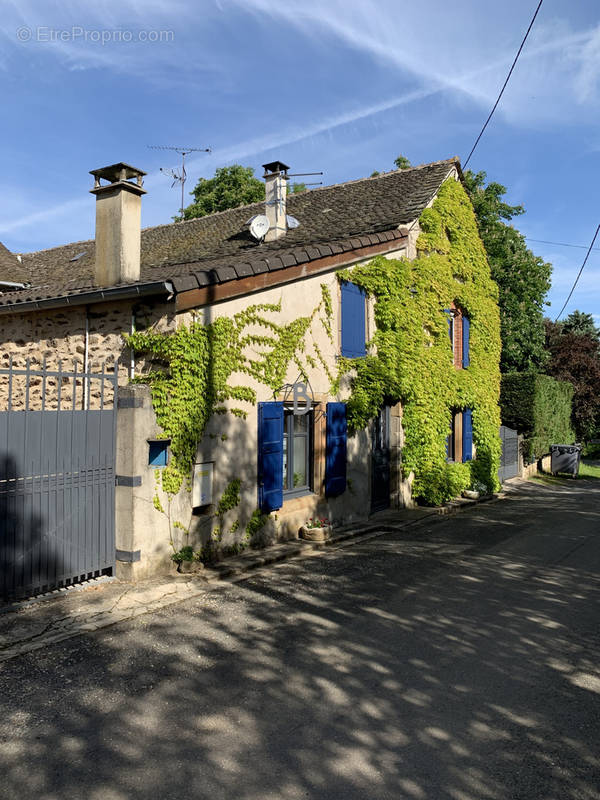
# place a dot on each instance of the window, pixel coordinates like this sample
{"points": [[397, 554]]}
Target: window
{"points": [[353, 321], [286, 453], [459, 442], [297, 448], [459, 331], [158, 452]]}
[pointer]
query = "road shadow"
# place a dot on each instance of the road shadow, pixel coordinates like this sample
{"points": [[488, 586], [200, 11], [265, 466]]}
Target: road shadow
{"points": [[453, 661]]}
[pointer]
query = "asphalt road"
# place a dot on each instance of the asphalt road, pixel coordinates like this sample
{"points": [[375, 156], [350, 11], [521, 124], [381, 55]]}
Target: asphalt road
{"points": [[458, 660]]}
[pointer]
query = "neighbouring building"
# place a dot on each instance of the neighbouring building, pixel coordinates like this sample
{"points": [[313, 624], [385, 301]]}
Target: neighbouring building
{"points": [[222, 380]]}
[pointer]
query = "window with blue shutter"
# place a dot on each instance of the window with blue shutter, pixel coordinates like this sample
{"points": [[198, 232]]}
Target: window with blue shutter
{"points": [[467, 435], [270, 456], [353, 321], [335, 456], [466, 338]]}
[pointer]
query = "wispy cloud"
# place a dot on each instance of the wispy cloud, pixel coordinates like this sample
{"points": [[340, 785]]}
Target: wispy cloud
{"points": [[468, 54]]}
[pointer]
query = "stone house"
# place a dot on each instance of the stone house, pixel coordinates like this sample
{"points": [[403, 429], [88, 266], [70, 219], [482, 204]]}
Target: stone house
{"points": [[285, 446]]}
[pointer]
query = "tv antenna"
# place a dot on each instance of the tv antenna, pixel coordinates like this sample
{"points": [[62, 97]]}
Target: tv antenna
{"points": [[179, 176]]}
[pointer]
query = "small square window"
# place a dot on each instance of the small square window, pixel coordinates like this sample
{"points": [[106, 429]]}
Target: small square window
{"points": [[158, 452]]}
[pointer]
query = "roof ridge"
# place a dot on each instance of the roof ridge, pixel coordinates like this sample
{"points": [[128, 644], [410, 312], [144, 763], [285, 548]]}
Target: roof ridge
{"points": [[259, 203], [449, 161], [182, 222], [56, 247]]}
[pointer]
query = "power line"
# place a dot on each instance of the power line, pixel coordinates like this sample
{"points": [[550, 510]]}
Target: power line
{"points": [[579, 273], [560, 244], [504, 86]]}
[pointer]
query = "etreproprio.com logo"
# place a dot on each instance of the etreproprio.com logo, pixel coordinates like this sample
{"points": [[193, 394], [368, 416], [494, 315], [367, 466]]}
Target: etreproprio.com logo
{"points": [[47, 34]]}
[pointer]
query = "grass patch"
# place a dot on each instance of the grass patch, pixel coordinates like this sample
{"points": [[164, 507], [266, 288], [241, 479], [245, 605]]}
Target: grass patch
{"points": [[586, 471]]}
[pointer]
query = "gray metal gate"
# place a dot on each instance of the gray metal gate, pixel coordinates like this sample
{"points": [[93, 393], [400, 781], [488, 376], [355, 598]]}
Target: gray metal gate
{"points": [[57, 477], [509, 460]]}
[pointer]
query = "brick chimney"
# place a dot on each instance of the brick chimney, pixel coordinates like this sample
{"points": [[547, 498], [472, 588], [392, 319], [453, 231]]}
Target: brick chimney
{"points": [[276, 179], [118, 224]]}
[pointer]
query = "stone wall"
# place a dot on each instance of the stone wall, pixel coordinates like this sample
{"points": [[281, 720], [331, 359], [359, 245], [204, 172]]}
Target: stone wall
{"points": [[56, 339]]}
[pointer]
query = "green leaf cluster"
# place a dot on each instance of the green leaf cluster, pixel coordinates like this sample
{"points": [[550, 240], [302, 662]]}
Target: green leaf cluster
{"points": [[522, 277], [410, 356], [539, 407], [230, 187], [193, 369]]}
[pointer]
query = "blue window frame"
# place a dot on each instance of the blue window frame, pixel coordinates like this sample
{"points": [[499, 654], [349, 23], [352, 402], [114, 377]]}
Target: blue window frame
{"points": [[158, 452], [353, 321]]}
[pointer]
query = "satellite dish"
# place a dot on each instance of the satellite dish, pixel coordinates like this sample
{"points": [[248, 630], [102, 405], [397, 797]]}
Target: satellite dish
{"points": [[259, 225]]}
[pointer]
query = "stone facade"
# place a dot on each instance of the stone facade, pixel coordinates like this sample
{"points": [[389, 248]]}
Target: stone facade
{"points": [[89, 337]]}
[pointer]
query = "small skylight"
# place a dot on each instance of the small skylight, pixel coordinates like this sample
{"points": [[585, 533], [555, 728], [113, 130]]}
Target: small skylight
{"points": [[78, 256], [292, 222]]}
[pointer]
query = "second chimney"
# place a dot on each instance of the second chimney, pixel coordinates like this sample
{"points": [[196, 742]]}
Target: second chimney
{"points": [[276, 179], [118, 224]]}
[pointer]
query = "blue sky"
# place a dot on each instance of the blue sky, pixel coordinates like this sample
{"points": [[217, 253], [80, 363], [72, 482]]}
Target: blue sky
{"points": [[342, 86]]}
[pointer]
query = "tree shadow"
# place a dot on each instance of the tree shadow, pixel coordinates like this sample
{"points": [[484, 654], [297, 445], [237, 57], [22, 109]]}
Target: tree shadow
{"points": [[28, 552], [403, 667]]}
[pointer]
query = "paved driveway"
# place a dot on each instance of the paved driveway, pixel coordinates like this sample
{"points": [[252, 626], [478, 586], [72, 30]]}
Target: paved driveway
{"points": [[456, 660]]}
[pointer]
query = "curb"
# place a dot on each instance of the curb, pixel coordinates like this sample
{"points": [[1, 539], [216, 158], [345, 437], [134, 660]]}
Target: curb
{"points": [[237, 567], [186, 587]]}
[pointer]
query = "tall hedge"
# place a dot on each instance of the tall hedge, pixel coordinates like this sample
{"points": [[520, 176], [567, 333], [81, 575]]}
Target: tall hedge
{"points": [[539, 407]]}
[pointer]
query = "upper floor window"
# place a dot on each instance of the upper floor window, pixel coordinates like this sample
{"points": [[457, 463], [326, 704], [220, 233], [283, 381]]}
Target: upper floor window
{"points": [[353, 321], [459, 330]]}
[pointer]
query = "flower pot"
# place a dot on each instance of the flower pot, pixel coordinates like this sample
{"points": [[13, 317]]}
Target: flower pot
{"points": [[315, 534]]}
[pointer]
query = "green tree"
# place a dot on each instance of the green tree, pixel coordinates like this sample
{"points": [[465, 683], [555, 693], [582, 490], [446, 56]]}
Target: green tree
{"points": [[522, 277], [581, 323], [574, 358], [402, 162], [230, 187]]}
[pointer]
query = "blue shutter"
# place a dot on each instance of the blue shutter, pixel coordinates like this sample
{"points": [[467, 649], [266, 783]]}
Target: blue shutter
{"points": [[467, 449], [450, 323], [466, 326], [353, 321], [335, 457], [270, 456]]}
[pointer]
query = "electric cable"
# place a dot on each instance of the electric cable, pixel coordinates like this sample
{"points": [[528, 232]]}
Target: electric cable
{"points": [[590, 248], [505, 84]]}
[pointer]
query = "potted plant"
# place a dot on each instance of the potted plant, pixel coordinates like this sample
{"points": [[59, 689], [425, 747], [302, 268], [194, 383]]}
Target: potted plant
{"points": [[317, 529]]}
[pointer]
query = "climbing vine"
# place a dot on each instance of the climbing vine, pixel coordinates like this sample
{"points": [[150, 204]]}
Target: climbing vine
{"points": [[201, 369], [196, 371], [410, 355]]}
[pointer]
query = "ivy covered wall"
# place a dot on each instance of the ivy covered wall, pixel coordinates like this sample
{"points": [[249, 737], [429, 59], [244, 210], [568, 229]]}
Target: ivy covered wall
{"points": [[246, 353], [410, 356]]}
